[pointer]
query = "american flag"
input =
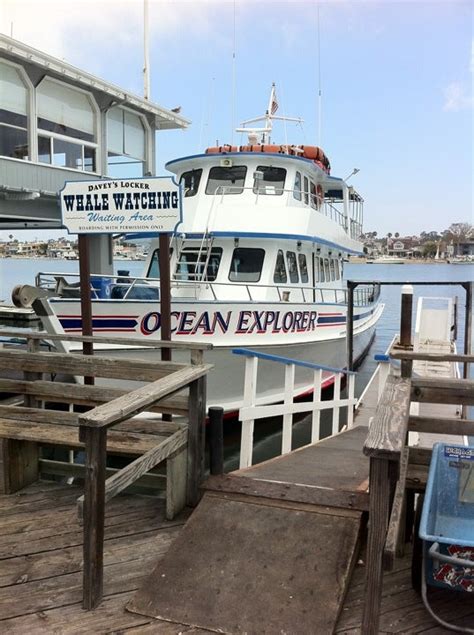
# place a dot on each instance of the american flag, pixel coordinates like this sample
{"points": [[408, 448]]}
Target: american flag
{"points": [[274, 105]]}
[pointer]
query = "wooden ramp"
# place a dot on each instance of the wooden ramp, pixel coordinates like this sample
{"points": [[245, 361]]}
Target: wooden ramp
{"points": [[269, 549]]}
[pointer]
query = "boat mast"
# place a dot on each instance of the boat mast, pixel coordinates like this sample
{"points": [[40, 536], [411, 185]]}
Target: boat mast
{"points": [[268, 118]]}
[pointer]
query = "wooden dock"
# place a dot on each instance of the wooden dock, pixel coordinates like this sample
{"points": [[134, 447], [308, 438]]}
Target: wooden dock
{"points": [[41, 571]]}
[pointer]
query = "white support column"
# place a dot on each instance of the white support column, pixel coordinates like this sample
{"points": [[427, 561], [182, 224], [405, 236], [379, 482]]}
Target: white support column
{"points": [[250, 395], [315, 424], [350, 405], [288, 400], [336, 408]]}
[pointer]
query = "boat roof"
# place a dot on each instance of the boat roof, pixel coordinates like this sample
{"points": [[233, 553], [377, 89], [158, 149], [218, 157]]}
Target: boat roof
{"points": [[255, 155]]}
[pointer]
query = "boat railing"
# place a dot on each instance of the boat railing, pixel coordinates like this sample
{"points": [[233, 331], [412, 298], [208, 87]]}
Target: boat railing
{"points": [[325, 207], [57, 281], [321, 375]]}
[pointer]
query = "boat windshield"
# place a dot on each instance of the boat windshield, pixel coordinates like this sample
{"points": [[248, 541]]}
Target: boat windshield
{"points": [[190, 181], [226, 180], [269, 180]]}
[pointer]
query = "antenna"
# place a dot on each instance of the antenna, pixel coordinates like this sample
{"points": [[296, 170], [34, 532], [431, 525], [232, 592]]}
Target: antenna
{"points": [[146, 53], [319, 79], [233, 83]]}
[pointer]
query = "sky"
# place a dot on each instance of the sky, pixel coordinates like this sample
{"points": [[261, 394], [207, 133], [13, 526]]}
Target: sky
{"points": [[396, 80]]}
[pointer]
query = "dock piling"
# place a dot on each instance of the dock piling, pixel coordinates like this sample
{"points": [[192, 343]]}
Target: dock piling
{"points": [[216, 440], [406, 326]]}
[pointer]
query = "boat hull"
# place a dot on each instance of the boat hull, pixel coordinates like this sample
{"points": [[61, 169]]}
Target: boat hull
{"points": [[315, 333]]}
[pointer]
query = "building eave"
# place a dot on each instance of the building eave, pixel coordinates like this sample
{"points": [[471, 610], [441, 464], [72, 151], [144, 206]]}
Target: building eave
{"points": [[163, 118]]}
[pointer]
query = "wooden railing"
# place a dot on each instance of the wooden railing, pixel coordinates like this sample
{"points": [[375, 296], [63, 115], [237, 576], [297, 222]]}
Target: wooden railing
{"points": [[397, 470], [250, 411], [24, 428]]}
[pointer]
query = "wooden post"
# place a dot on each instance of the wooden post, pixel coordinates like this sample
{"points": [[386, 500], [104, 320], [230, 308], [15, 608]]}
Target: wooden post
{"points": [[86, 304], [165, 293], [467, 326], [95, 440], [216, 440], [379, 507], [350, 324], [405, 326], [196, 439]]}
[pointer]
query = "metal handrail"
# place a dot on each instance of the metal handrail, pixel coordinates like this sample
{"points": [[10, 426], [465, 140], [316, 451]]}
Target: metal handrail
{"points": [[247, 352], [364, 295]]}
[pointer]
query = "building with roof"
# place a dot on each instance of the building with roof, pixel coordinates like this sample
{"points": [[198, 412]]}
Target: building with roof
{"points": [[59, 123]]}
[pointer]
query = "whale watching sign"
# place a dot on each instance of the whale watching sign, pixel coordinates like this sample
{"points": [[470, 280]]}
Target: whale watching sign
{"points": [[151, 205]]}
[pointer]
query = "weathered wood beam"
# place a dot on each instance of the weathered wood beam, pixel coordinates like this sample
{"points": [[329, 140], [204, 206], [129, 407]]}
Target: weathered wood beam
{"points": [[96, 366], [61, 392], [133, 471], [388, 430], [196, 439], [310, 494], [379, 488], [94, 515], [441, 425], [140, 399], [444, 391], [398, 353], [394, 533], [60, 468]]}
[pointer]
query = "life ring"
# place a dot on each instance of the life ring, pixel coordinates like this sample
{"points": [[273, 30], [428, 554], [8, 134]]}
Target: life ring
{"points": [[319, 196]]}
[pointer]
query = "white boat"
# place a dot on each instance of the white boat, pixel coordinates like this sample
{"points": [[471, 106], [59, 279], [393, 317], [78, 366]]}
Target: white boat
{"points": [[257, 262]]}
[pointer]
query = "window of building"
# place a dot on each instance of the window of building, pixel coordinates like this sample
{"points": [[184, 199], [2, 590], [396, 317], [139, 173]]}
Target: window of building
{"points": [[66, 127], [327, 273], [246, 265], [226, 180], [190, 181], [126, 143], [292, 266], [303, 268], [313, 200], [279, 275], [269, 180], [13, 113], [297, 188], [306, 190], [191, 264]]}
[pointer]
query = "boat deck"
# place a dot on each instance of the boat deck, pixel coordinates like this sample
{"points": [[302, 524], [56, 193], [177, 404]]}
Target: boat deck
{"points": [[40, 573]]}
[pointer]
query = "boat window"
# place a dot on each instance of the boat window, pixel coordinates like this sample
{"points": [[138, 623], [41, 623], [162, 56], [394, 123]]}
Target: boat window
{"points": [[269, 180], [297, 188], [190, 181], [313, 196], [226, 180], [327, 274], [246, 265], [154, 268], [192, 261], [322, 276], [316, 269], [292, 266], [303, 267], [336, 269], [279, 275], [306, 190], [333, 269]]}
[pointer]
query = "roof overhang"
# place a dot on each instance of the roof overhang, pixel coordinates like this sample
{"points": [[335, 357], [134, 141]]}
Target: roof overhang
{"points": [[21, 53]]}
